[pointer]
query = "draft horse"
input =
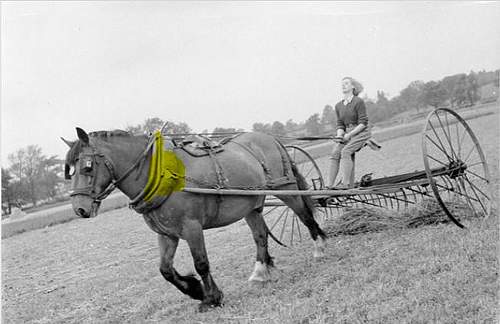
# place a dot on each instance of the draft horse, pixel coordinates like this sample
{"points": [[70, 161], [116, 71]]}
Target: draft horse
{"points": [[100, 161]]}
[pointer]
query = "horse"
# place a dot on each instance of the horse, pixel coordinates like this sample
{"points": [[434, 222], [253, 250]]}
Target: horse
{"points": [[98, 162]]}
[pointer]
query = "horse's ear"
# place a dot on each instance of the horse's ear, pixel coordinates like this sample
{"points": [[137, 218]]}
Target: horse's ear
{"points": [[82, 135], [69, 143]]}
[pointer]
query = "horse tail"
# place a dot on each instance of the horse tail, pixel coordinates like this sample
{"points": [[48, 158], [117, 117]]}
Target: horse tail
{"points": [[273, 237], [308, 202]]}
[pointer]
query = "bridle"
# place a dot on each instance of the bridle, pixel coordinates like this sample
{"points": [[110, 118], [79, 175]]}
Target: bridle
{"points": [[88, 168]]}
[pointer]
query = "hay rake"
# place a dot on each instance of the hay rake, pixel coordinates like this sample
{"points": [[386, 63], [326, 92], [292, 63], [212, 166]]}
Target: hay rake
{"points": [[455, 170]]}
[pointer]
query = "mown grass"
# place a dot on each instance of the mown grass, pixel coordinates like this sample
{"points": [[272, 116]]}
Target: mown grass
{"points": [[105, 270]]}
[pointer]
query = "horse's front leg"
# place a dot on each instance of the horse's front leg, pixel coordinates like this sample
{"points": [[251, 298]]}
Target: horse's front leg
{"points": [[189, 285], [193, 234]]}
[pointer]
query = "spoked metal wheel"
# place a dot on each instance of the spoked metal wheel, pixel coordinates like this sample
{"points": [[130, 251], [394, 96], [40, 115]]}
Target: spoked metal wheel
{"points": [[282, 220], [455, 164]]}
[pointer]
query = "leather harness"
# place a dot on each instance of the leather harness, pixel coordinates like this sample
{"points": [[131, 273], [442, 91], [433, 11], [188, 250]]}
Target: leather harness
{"points": [[138, 204]]}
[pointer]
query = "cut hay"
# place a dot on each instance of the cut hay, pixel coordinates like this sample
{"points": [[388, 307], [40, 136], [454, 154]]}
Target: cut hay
{"points": [[366, 219]]}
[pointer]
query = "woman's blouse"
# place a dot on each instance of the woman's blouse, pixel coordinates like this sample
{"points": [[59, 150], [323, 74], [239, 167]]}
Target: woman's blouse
{"points": [[352, 114]]}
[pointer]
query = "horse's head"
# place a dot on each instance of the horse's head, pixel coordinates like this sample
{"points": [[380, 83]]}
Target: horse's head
{"points": [[91, 175]]}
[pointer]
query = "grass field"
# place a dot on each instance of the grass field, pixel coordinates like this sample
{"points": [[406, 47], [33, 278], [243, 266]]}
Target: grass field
{"points": [[105, 269]]}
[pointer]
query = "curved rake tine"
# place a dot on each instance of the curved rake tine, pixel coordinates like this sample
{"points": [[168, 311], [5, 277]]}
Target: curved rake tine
{"points": [[420, 197], [405, 197], [449, 185], [385, 199], [464, 195]]}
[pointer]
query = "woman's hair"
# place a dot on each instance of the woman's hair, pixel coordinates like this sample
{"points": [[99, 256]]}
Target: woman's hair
{"points": [[357, 86]]}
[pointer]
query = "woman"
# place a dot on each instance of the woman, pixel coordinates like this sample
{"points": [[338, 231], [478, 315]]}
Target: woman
{"points": [[352, 132]]}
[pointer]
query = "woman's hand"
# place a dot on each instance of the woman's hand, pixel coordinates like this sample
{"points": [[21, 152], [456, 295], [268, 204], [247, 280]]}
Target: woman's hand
{"points": [[347, 137]]}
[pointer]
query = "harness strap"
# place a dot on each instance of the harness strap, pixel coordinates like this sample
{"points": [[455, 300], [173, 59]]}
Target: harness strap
{"points": [[112, 172]]}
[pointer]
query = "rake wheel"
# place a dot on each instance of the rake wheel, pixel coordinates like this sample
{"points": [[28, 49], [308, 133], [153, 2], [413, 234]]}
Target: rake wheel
{"points": [[450, 144], [282, 220]]}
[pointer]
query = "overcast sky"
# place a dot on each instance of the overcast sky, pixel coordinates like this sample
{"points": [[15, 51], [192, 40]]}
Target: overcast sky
{"points": [[106, 65]]}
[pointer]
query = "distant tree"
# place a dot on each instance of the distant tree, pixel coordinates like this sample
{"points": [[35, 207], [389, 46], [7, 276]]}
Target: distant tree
{"points": [[472, 88], [32, 176], [313, 125], [226, 130], [278, 128], [459, 95], [451, 85], [50, 168], [25, 164], [6, 191], [177, 128], [17, 160], [290, 126], [434, 94], [34, 159], [412, 95], [382, 100], [261, 127], [484, 78], [155, 123], [328, 116]]}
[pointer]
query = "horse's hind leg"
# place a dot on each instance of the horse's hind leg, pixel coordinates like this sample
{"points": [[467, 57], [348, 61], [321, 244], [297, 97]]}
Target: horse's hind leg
{"points": [[259, 231], [189, 285], [304, 208], [193, 233]]}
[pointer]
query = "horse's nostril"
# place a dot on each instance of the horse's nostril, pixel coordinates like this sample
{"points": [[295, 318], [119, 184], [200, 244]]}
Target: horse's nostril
{"points": [[81, 212]]}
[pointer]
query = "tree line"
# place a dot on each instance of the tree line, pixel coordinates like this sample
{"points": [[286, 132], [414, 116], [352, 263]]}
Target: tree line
{"points": [[453, 91], [30, 178]]}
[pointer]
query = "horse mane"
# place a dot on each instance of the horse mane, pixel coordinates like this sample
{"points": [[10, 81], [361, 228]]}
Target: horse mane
{"points": [[75, 150], [106, 134]]}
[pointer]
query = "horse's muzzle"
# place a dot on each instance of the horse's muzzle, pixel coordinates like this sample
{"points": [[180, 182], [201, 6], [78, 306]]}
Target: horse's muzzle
{"points": [[88, 214]]}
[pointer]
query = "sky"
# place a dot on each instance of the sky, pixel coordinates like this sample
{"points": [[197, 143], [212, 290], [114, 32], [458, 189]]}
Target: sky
{"points": [[106, 65]]}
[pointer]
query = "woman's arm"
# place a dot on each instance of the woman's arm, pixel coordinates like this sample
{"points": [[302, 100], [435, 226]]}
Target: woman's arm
{"points": [[358, 129]]}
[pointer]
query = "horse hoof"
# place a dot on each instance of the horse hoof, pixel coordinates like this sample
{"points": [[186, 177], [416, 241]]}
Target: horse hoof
{"points": [[205, 307], [318, 256], [260, 273]]}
